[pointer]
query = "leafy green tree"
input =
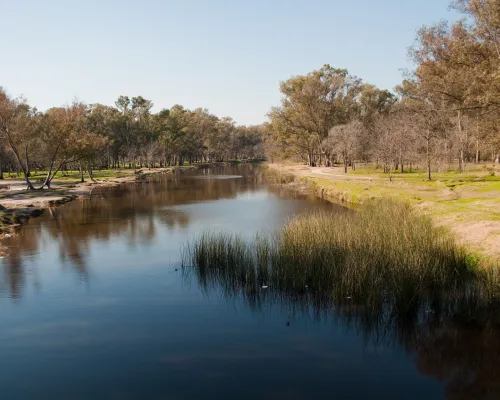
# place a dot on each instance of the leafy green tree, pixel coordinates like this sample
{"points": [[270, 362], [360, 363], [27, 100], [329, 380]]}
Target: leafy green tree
{"points": [[19, 127], [312, 104]]}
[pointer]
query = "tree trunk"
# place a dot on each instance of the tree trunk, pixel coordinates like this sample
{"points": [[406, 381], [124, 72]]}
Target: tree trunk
{"points": [[428, 151], [310, 160], [477, 140], [461, 161], [24, 168]]}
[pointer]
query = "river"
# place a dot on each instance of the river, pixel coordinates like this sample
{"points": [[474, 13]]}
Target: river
{"points": [[94, 303]]}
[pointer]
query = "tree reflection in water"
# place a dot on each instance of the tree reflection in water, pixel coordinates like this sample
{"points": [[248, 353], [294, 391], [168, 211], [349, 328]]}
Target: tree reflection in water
{"points": [[453, 338], [134, 211]]}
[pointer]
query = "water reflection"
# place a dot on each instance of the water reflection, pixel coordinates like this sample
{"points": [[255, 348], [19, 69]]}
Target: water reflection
{"points": [[93, 292], [455, 339], [136, 213]]}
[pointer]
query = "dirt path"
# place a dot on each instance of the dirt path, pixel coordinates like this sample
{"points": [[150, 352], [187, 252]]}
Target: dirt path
{"points": [[339, 175]]}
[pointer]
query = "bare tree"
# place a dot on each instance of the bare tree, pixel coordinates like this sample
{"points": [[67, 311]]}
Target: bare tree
{"points": [[345, 140]]}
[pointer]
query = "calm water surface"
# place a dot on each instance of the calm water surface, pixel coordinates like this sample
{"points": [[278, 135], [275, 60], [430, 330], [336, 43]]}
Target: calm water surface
{"points": [[94, 304]]}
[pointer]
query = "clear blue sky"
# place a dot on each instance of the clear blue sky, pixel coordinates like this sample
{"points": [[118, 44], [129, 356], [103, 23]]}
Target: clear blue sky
{"points": [[228, 56]]}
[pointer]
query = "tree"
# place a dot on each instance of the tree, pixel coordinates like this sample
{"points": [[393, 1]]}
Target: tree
{"points": [[83, 137], [373, 103], [107, 121], [445, 71], [312, 105], [483, 50], [345, 140], [19, 128], [60, 135], [428, 118]]}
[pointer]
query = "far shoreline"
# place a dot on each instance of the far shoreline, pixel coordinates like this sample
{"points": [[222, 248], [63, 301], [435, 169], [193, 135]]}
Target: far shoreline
{"points": [[19, 206]]}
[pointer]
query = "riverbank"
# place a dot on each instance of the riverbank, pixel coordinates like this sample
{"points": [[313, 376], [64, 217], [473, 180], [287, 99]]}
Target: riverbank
{"points": [[18, 205], [467, 204]]}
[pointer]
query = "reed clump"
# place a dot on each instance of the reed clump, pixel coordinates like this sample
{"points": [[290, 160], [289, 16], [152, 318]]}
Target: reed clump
{"points": [[384, 256]]}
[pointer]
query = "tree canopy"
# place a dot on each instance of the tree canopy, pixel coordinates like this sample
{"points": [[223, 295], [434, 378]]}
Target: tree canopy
{"points": [[445, 110], [128, 135]]}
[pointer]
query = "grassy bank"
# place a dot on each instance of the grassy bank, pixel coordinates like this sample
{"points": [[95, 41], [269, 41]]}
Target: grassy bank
{"points": [[75, 176], [384, 257], [116, 173], [468, 204]]}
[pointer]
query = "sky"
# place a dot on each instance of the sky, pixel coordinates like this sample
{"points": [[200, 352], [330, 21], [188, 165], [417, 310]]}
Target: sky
{"points": [[225, 55]]}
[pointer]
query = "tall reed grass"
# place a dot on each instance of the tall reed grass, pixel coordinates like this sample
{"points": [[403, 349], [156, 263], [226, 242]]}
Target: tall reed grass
{"points": [[385, 257]]}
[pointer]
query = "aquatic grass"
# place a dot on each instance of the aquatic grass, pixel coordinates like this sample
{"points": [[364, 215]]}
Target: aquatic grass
{"points": [[384, 256], [222, 258], [385, 246], [384, 271]]}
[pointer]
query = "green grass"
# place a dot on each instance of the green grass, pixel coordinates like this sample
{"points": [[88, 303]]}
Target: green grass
{"points": [[70, 176], [75, 176], [384, 256], [448, 189], [471, 170]]}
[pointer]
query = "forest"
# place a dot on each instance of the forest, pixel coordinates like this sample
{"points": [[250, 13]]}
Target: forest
{"points": [[444, 114], [128, 135]]}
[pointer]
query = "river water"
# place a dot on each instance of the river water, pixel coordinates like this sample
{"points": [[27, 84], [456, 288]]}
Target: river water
{"points": [[94, 303]]}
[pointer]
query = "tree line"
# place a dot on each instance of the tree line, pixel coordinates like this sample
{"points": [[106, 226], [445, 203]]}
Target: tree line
{"points": [[445, 112], [129, 135]]}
